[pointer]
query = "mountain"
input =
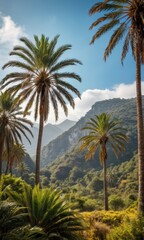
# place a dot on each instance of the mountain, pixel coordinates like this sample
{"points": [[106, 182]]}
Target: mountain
{"points": [[124, 109], [66, 125], [50, 132], [29, 163]]}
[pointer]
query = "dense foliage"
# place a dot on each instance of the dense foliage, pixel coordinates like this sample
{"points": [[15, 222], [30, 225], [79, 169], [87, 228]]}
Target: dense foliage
{"points": [[84, 185], [34, 213]]}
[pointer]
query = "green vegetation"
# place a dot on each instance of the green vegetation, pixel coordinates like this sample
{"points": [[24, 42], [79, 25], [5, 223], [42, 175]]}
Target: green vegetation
{"points": [[11, 221], [34, 213], [112, 225], [84, 187]]}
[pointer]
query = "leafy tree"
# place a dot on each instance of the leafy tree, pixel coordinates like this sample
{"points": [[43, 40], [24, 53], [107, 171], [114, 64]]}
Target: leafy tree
{"points": [[96, 184], [116, 203], [103, 130], [12, 124], [48, 211], [75, 174], [127, 19], [41, 81]]}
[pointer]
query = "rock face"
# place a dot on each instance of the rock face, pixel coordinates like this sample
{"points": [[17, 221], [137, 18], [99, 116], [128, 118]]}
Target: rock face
{"points": [[120, 108], [50, 132]]}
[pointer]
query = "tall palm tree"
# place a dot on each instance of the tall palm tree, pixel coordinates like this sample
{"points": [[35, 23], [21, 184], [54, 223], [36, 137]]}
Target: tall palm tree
{"points": [[103, 131], [14, 156], [12, 124], [42, 82], [127, 19], [47, 210]]}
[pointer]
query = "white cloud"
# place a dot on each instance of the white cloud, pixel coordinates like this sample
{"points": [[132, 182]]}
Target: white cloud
{"points": [[89, 97], [9, 31]]}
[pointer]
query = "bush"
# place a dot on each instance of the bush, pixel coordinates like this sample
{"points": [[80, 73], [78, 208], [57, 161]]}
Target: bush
{"points": [[116, 203], [96, 184], [112, 225], [96, 231], [16, 184], [90, 205], [129, 229]]}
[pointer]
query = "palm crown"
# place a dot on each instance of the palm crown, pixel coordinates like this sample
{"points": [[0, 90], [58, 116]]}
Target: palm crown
{"points": [[102, 130], [12, 124], [41, 80], [127, 19], [14, 156]]}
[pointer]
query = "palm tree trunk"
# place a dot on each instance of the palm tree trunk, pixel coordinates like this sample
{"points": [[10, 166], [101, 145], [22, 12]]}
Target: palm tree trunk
{"points": [[39, 143], [7, 167], [10, 167], [8, 160], [105, 186], [140, 130], [1, 152]]}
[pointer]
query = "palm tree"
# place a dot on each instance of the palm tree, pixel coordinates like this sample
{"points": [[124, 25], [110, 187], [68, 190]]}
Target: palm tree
{"points": [[127, 19], [14, 156], [48, 211], [22, 168], [12, 124], [42, 82], [103, 131]]}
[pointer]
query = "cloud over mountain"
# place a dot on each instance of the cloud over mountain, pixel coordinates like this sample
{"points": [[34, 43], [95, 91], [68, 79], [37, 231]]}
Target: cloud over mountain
{"points": [[90, 96]]}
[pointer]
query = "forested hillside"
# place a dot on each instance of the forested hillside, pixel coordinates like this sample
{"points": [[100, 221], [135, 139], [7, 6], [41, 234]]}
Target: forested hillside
{"points": [[119, 108], [84, 184]]}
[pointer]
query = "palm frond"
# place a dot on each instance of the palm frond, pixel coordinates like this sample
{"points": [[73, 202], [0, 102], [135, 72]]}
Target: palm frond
{"points": [[115, 38], [105, 28]]}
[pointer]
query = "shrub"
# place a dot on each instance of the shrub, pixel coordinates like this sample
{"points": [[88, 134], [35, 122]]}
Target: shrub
{"points": [[15, 184], [90, 205], [116, 203], [129, 229]]}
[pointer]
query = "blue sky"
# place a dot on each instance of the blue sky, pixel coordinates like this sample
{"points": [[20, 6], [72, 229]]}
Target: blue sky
{"points": [[69, 18]]}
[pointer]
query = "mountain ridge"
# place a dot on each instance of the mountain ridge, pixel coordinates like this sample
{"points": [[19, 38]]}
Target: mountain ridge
{"points": [[125, 109], [50, 132]]}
